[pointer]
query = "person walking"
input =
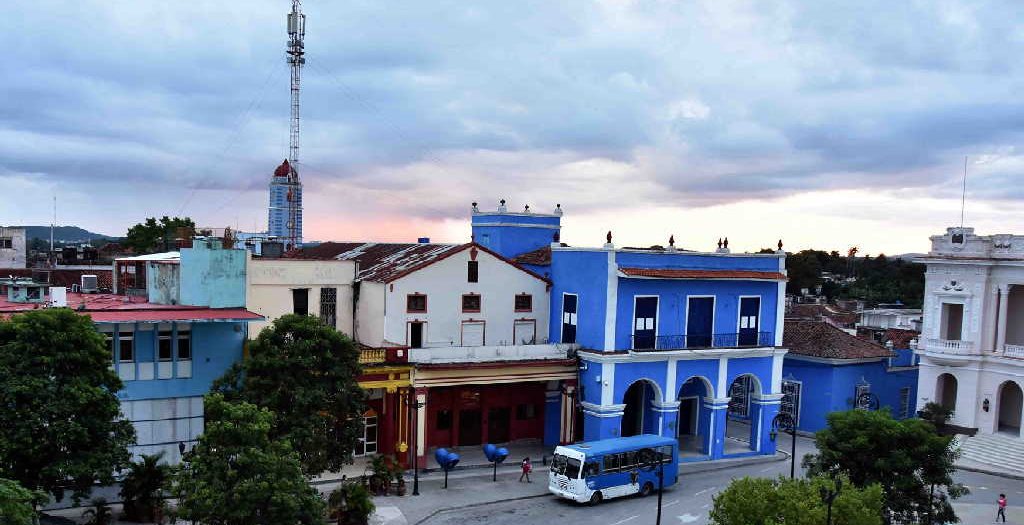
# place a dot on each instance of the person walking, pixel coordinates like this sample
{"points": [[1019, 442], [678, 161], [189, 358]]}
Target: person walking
{"points": [[1001, 513], [527, 467]]}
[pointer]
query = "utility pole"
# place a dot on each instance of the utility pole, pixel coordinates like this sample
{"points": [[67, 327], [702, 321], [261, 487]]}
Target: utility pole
{"points": [[296, 59]]}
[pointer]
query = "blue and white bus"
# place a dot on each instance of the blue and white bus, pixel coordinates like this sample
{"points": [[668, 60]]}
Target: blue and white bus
{"points": [[597, 470]]}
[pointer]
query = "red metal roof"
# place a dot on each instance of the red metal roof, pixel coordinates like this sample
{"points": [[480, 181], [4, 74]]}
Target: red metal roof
{"points": [[674, 273], [109, 308]]}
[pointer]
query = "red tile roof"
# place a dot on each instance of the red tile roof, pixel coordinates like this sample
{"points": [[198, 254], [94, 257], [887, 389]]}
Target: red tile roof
{"points": [[900, 338], [820, 339], [109, 308], [673, 273], [538, 257], [817, 312]]}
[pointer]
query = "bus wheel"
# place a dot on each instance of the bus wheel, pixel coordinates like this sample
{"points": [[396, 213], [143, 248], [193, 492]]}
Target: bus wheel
{"points": [[646, 489], [596, 498]]}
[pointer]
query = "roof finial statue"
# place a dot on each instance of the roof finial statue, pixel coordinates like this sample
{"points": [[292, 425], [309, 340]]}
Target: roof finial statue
{"points": [[671, 240], [558, 209], [526, 209], [501, 206], [719, 243], [780, 245], [475, 208], [609, 237], [726, 243]]}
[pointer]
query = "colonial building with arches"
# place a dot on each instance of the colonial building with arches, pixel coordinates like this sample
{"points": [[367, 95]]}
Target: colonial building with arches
{"points": [[675, 343], [972, 347]]}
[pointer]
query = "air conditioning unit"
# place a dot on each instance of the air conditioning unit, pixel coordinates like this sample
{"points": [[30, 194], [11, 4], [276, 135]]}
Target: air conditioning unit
{"points": [[58, 296], [90, 284]]}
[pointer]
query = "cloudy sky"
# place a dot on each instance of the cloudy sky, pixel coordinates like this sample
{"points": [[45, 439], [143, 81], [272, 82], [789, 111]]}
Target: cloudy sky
{"points": [[828, 124]]}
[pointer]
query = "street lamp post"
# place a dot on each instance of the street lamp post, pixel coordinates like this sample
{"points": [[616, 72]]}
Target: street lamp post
{"points": [[868, 401], [649, 465], [414, 413], [783, 421], [828, 496]]}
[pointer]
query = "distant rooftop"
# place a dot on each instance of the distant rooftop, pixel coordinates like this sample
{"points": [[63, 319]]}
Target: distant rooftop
{"points": [[110, 308], [821, 339]]}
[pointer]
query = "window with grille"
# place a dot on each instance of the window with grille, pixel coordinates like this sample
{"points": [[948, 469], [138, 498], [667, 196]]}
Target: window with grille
{"points": [[6, 242], [905, 402], [860, 402], [524, 302], [416, 303], [791, 391], [473, 272], [739, 393], [471, 303], [329, 306]]}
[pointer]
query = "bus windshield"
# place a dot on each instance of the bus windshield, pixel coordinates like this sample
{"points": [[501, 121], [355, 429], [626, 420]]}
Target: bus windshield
{"points": [[569, 467]]}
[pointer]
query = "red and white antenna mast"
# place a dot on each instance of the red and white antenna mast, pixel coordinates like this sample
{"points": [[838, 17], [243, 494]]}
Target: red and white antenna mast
{"points": [[296, 58]]}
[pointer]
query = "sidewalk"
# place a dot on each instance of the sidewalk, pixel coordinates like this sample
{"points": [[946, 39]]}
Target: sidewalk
{"points": [[974, 513]]}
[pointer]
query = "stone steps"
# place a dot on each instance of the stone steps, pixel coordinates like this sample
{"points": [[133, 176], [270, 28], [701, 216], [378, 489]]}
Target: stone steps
{"points": [[999, 452]]}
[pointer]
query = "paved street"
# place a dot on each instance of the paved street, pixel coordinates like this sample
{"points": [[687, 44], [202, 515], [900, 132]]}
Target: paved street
{"points": [[687, 502]]}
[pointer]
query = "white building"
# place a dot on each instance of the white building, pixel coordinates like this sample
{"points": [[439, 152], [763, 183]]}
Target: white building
{"points": [[322, 288], [885, 318], [972, 341], [12, 247]]}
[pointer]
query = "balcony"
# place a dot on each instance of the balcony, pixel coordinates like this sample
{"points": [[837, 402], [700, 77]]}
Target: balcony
{"points": [[378, 356], [1014, 351], [650, 343], [482, 354], [949, 346]]}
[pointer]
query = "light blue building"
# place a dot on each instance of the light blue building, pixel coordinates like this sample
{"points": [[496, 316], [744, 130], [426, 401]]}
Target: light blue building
{"points": [[285, 187], [673, 342], [828, 370]]}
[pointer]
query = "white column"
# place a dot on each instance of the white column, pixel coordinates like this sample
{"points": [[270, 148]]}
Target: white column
{"points": [[421, 422], [991, 312], [1004, 301], [612, 299]]}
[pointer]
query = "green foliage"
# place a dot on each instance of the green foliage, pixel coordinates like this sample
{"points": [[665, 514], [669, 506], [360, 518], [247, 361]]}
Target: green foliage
{"points": [[99, 514], [142, 488], [306, 373], [878, 279], [907, 458], [762, 501], [17, 504], [351, 504], [936, 414], [238, 475], [153, 235], [63, 427]]}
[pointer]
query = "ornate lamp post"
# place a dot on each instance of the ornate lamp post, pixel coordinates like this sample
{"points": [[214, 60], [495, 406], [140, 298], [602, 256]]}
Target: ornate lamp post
{"points": [[784, 422], [868, 401], [828, 496], [655, 461], [414, 412]]}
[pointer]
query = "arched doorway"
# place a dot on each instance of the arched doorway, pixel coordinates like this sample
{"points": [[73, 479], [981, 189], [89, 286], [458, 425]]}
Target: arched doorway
{"points": [[740, 425], [639, 416], [945, 391], [694, 419], [1011, 402]]}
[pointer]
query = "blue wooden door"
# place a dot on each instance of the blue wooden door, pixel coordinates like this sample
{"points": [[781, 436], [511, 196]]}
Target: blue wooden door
{"points": [[569, 318], [750, 313], [699, 322], [645, 319]]}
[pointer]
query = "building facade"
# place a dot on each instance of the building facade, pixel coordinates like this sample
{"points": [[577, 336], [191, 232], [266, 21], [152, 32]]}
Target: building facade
{"points": [[321, 288], [675, 343], [12, 247], [972, 347], [827, 369], [285, 207], [166, 351]]}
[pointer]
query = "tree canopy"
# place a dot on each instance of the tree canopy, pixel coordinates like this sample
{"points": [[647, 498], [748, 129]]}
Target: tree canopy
{"points": [[153, 235], [876, 279], [763, 501], [305, 372], [908, 458], [238, 475], [63, 427], [17, 504]]}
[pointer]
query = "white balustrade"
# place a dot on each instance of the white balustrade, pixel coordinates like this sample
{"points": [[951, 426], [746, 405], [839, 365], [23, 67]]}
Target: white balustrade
{"points": [[948, 346], [1016, 351]]}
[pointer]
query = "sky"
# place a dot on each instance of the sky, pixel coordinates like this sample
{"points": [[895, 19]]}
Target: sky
{"points": [[826, 124]]}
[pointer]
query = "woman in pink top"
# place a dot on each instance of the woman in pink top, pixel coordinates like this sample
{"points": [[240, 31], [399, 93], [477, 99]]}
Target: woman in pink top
{"points": [[1002, 508]]}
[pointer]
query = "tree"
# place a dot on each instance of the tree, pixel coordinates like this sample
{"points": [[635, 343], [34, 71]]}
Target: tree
{"points": [[142, 488], [153, 235], [239, 475], [17, 504], [63, 428], [913, 464], [305, 372], [762, 501]]}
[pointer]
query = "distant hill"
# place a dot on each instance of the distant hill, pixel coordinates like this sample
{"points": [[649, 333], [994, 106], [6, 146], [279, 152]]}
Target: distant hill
{"points": [[62, 233]]}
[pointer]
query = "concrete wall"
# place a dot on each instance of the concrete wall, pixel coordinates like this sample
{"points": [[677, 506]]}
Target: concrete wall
{"points": [[270, 283], [13, 257], [372, 314], [212, 276], [163, 282], [444, 283]]}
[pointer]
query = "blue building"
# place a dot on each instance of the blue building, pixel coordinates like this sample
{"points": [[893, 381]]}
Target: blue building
{"points": [[828, 370], [525, 237], [175, 328], [285, 188]]}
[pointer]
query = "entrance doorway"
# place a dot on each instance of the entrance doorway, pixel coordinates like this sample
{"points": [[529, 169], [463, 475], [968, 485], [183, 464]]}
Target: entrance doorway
{"points": [[638, 414], [498, 425], [952, 321], [470, 427], [700, 321], [416, 335], [945, 391], [1010, 406], [741, 425], [692, 423]]}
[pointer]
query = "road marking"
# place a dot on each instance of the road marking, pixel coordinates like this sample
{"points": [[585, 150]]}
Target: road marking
{"points": [[625, 520], [766, 469], [688, 518], [705, 506], [669, 504], [982, 488], [705, 491]]}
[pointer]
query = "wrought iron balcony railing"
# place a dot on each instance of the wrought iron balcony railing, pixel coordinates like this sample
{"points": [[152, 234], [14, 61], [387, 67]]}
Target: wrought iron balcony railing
{"points": [[651, 343]]}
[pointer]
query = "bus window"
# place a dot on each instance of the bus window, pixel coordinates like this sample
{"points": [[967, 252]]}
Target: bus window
{"points": [[590, 469], [611, 462], [572, 468]]}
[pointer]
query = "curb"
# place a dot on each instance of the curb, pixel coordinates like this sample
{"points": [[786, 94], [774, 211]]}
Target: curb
{"points": [[982, 470]]}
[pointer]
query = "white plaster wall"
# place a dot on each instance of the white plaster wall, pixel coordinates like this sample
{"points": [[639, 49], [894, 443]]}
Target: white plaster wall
{"points": [[15, 256], [445, 282], [371, 314], [269, 285]]}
